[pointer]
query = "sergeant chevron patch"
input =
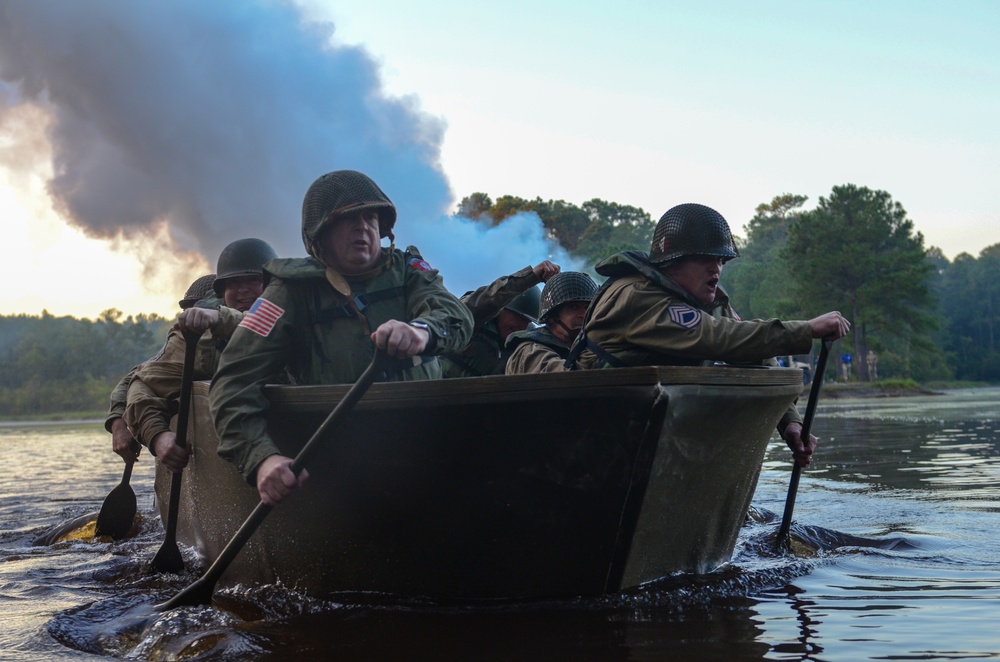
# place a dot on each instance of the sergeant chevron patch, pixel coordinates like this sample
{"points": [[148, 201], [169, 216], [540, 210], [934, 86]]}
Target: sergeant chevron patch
{"points": [[684, 316]]}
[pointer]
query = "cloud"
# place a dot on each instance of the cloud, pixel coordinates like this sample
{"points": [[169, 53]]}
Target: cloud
{"points": [[195, 123], [212, 116]]}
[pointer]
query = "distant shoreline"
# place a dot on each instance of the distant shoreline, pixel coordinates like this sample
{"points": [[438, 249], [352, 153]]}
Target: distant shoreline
{"points": [[61, 421], [831, 390]]}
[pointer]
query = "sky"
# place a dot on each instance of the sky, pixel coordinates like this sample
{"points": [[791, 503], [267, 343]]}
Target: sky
{"points": [[137, 138]]}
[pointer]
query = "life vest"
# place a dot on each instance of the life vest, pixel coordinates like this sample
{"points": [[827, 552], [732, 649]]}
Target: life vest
{"points": [[541, 336], [341, 326]]}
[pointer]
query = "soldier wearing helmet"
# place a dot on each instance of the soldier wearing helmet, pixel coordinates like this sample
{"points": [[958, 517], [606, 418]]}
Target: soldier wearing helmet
{"points": [[155, 387], [667, 308], [505, 306], [122, 441], [198, 290], [323, 316], [564, 304]]}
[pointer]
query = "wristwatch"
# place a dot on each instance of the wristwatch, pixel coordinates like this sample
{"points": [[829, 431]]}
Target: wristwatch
{"points": [[431, 336]]}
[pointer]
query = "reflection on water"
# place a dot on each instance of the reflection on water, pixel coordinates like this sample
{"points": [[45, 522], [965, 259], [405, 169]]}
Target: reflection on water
{"points": [[895, 559]]}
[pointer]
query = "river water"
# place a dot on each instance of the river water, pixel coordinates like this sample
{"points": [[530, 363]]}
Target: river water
{"points": [[894, 558]]}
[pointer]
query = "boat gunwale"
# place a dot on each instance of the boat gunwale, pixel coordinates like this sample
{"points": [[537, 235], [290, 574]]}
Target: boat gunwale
{"points": [[552, 386]]}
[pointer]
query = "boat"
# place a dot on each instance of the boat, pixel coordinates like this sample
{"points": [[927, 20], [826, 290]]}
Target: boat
{"points": [[502, 487]]}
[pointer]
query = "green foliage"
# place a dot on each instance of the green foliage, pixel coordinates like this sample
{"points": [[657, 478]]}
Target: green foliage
{"points": [[52, 364], [904, 384], [857, 252], [760, 283], [590, 232], [614, 228], [969, 291], [474, 206]]}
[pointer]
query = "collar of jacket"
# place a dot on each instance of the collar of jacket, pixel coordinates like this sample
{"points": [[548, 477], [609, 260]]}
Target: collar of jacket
{"points": [[300, 268], [627, 263]]}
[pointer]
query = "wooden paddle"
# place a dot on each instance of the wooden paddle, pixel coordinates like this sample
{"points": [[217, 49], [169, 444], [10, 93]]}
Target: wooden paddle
{"points": [[793, 485], [118, 510], [200, 591], [168, 558]]}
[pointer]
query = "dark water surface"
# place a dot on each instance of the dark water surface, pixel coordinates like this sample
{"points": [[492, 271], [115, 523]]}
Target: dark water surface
{"points": [[896, 532]]}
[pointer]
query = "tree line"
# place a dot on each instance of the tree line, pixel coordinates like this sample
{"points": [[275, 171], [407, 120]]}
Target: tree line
{"points": [[926, 317], [54, 364]]}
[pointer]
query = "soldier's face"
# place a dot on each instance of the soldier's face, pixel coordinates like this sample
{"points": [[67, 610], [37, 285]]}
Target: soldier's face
{"points": [[699, 275], [350, 244], [568, 320], [508, 322], [242, 291]]}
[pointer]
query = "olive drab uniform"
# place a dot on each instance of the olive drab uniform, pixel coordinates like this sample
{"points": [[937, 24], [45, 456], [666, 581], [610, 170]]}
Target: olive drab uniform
{"points": [[641, 317], [535, 350], [154, 389], [318, 324], [119, 397], [485, 354], [198, 290]]}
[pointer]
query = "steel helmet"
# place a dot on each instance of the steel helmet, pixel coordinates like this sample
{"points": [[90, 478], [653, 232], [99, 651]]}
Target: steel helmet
{"points": [[564, 287], [241, 258], [197, 291], [526, 303], [691, 229], [342, 192]]}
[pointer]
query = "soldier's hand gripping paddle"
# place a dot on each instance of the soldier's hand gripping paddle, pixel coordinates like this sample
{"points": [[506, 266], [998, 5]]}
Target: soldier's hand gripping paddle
{"points": [[200, 591], [793, 484], [168, 558]]}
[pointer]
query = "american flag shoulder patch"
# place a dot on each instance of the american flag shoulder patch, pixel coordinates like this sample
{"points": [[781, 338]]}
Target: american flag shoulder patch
{"points": [[262, 317], [419, 263], [684, 316]]}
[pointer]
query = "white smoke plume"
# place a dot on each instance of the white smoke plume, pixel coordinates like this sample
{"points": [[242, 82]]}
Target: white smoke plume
{"points": [[195, 123]]}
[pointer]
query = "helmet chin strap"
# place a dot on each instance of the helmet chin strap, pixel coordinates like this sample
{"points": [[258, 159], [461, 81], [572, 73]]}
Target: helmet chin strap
{"points": [[569, 332]]}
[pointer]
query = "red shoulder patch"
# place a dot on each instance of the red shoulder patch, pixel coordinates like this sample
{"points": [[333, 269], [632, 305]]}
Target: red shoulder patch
{"points": [[419, 264]]}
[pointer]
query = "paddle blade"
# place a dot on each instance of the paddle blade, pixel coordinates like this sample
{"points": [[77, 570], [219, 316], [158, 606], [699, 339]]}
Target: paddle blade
{"points": [[117, 513], [118, 510], [197, 593], [168, 558]]}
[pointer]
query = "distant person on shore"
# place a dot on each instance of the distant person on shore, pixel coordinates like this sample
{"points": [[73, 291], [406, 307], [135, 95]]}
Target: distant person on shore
{"points": [[122, 441], [322, 318], [154, 392], [872, 361], [667, 308], [845, 366], [505, 306], [563, 307]]}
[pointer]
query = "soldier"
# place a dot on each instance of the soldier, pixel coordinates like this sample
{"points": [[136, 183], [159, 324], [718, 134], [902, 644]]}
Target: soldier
{"points": [[667, 309], [507, 305], [155, 388], [323, 316], [564, 305], [872, 360], [122, 441]]}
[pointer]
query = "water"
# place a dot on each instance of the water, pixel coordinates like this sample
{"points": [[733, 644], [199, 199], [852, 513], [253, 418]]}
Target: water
{"points": [[895, 540]]}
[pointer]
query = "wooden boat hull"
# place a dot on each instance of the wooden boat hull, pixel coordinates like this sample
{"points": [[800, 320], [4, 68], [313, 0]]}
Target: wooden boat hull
{"points": [[497, 487]]}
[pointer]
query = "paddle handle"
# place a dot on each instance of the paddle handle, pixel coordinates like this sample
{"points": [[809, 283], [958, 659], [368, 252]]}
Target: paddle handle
{"points": [[183, 414], [378, 365], [200, 592], [168, 558], [793, 484], [127, 474]]}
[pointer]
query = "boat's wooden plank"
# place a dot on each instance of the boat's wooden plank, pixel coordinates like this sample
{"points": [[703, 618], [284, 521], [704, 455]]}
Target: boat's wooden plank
{"points": [[505, 388]]}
